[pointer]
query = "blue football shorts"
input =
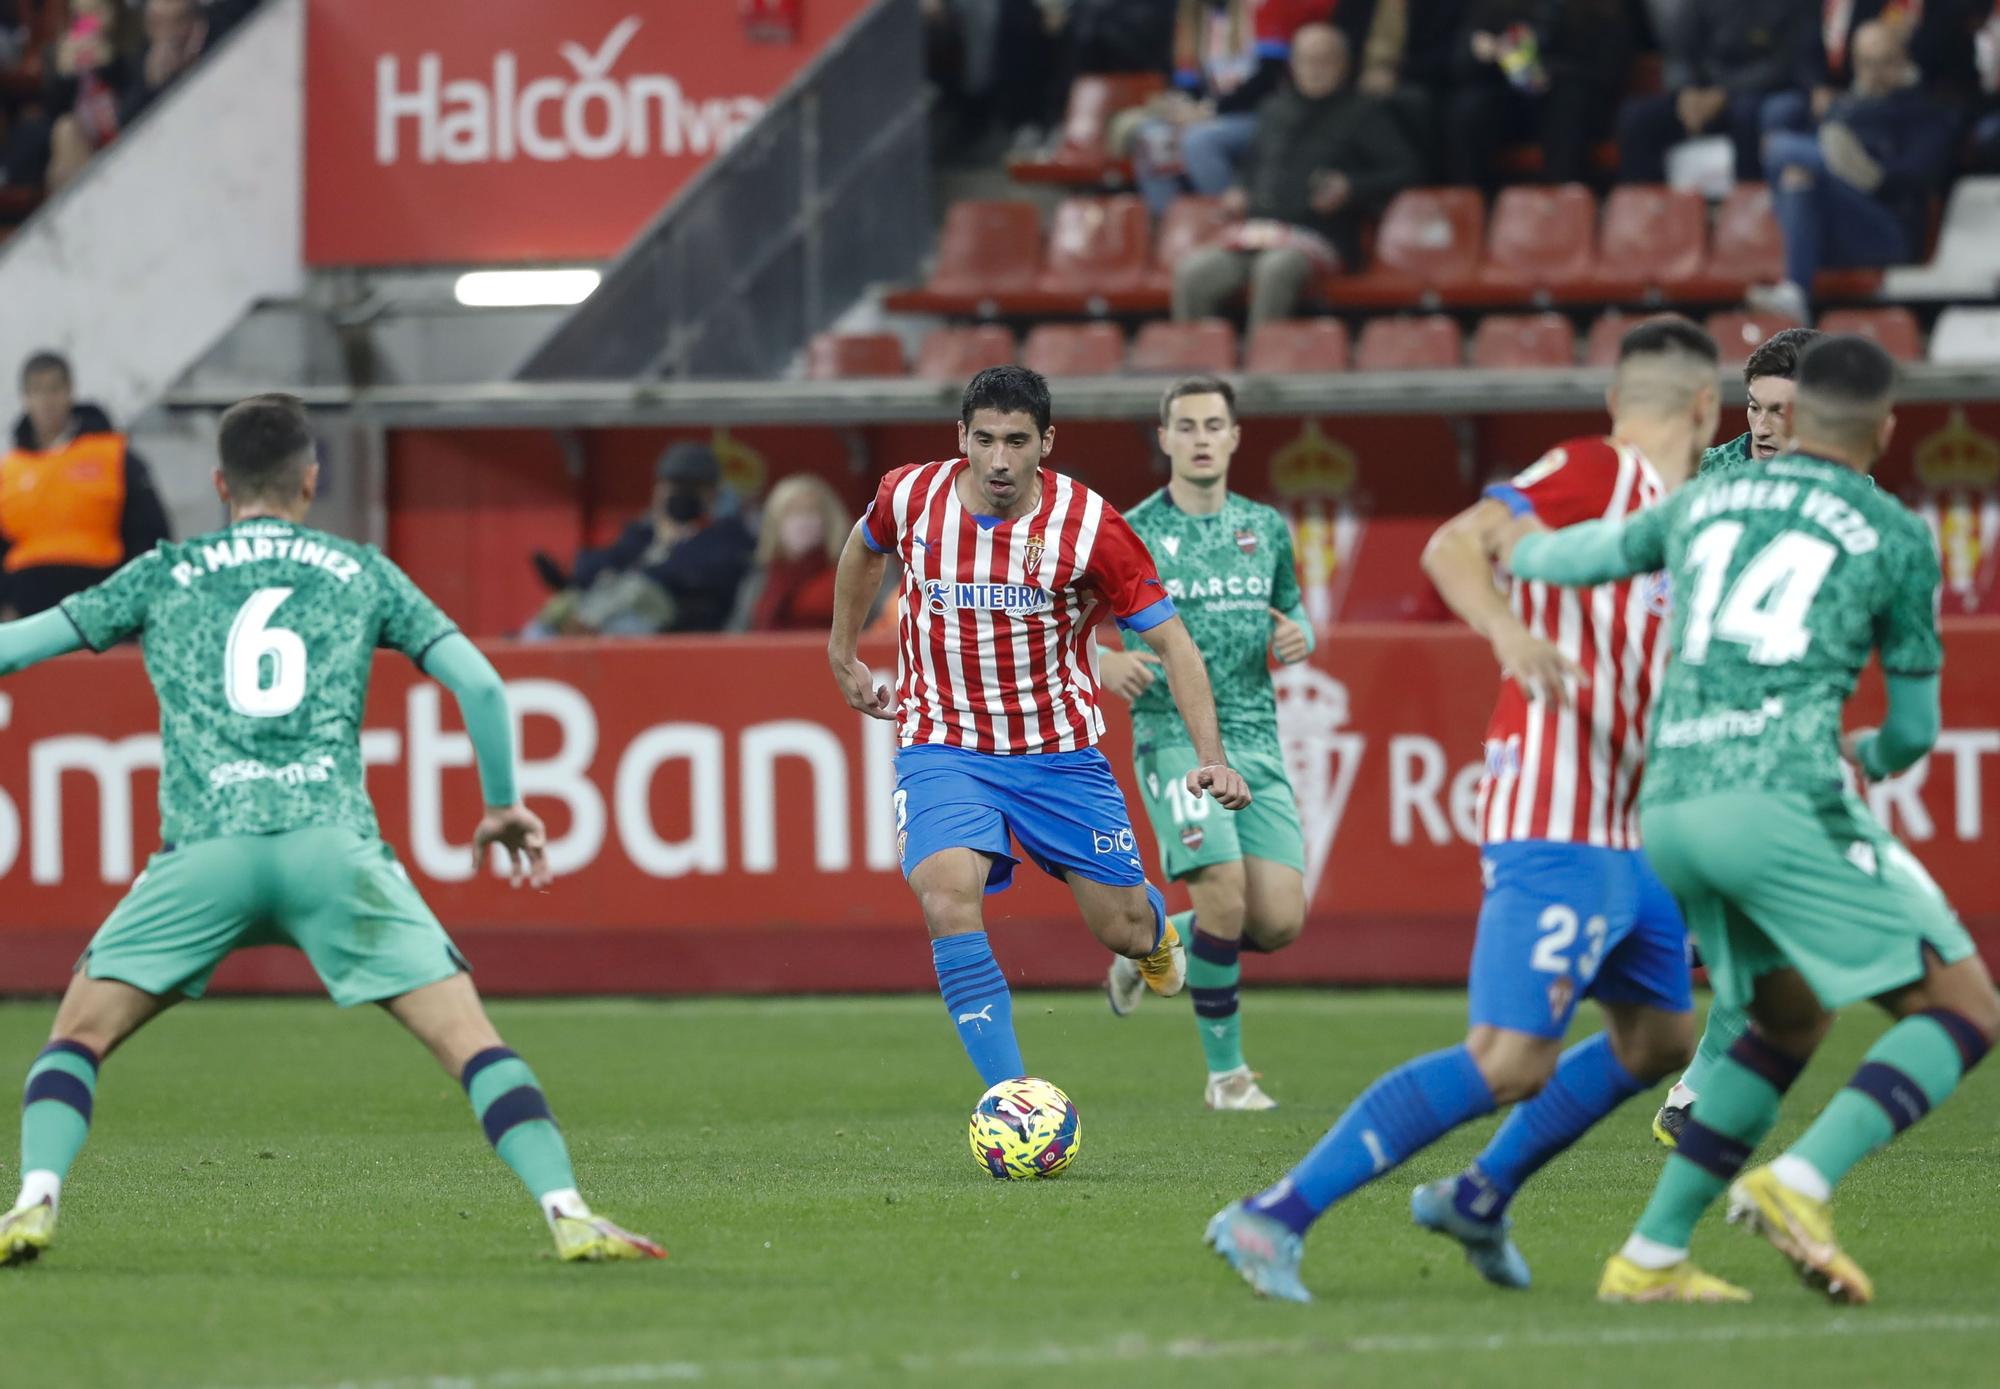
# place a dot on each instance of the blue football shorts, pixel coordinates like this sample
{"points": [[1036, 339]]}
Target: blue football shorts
{"points": [[1065, 809], [1562, 922]]}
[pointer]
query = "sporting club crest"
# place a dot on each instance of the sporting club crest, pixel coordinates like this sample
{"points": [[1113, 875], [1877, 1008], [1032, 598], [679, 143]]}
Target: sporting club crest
{"points": [[1032, 559], [1322, 757]]}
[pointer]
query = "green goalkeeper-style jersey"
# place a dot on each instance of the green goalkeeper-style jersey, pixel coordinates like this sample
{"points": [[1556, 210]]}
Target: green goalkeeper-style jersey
{"points": [[259, 640], [1728, 455], [1225, 573], [1785, 574]]}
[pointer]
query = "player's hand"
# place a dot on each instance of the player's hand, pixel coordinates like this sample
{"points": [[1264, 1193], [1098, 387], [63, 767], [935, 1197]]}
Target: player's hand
{"points": [[857, 683], [1221, 781], [1289, 642], [1850, 749], [1128, 673], [1537, 666], [519, 831]]}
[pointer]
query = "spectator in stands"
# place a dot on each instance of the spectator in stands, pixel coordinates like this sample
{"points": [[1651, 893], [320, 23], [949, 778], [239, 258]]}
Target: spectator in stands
{"points": [[1722, 59], [1229, 55], [85, 72], [1536, 70], [1939, 35], [178, 32], [675, 569], [790, 587], [1857, 191], [1985, 157], [1324, 158], [75, 500], [1406, 49], [996, 64]]}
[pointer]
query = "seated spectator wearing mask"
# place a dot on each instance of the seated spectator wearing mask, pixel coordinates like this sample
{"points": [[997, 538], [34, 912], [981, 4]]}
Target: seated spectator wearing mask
{"points": [[675, 569], [75, 501], [790, 588]]}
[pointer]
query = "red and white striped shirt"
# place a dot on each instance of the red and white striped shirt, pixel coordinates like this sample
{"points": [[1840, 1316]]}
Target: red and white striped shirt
{"points": [[1571, 774], [996, 650]]}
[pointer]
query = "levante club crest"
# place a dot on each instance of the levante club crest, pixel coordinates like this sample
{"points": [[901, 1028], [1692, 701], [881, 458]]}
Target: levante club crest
{"points": [[1033, 559], [1246, 541]]}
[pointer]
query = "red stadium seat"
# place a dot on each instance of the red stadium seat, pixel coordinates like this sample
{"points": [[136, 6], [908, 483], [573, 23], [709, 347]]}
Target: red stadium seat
{"points": [[1189, 224], [1082, 157], [1165, 348], [1740, 332], [986, 249], [1516, 342], [1608, 332], [1097, 247], [953, 354], [841, 356], [1747, 248], [1426, 250], [1430, 343], [1653, 238], [1894, 330], [1074, 349], [1540, 243], [1297, 346]]}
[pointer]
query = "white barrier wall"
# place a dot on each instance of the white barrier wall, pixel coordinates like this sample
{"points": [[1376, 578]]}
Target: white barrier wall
{"points": [[171, 234]]}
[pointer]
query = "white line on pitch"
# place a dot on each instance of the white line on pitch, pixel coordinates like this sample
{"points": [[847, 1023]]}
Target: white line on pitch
{"points": [[1136, 1349]]}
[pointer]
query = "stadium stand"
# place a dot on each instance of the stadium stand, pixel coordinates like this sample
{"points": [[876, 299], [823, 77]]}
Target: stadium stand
{"points": [[1540, 246], [1163, 348], [1429, 343], [1427, 252], [1967, 337], [1296, 346], [953, 354], [843, 356], [986, 249], [1738, 332], [1652, 244], [1074, 349], [1509, 342], [1097, 248], [1083, 157], [1895, 329]]}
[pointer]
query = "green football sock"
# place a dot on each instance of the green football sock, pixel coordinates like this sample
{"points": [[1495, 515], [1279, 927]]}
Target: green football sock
{"points": [[1912, 1067], [515, 1114], [55, 1107], [1213, 973], [1725, 1025], [1736, 1108]]}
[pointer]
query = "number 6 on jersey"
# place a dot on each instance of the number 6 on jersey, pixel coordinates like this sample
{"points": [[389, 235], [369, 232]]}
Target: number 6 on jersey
{"points": [[251, 640]]}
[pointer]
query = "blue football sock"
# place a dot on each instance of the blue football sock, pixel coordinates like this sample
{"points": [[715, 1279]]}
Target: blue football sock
{"points": [[1587, 1085], [1399, 1115], [976, 997], [1159, 906]]}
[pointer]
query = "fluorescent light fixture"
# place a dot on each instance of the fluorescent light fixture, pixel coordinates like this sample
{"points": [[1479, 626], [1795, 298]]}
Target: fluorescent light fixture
{"points": [[515, 289]]}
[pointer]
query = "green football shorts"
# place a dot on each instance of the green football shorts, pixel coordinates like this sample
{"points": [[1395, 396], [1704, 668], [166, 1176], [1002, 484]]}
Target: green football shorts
{"points": [[1196, 833], [1776, 880], [342, 899]]}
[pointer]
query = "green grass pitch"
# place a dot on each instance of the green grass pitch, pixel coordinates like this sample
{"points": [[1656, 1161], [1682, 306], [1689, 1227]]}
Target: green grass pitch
{"points": [[278, 1194]]}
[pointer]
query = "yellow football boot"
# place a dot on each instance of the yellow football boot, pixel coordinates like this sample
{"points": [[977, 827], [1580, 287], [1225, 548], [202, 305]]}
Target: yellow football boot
{"points": [[1165, 970], [593, 1239], [1801, 1229], [1625, 1281], [26, 1231]]}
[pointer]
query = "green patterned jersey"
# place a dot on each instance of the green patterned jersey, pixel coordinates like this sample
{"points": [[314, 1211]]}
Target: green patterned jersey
{"points": [[1225, 573], [1786, 574], [1727, 455], [258, 640]]}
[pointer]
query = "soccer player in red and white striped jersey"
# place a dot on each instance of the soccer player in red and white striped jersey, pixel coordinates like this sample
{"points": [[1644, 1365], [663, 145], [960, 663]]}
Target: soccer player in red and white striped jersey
{"points": [[1572, 910], [1007, 568]]}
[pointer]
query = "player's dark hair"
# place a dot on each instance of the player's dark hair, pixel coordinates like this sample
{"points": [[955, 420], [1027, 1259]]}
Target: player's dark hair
{"points": [[1669, 335], [1008, 389], [45, 360], [1780, 355], [266, 445], [1198, 385], [1846, 375]]}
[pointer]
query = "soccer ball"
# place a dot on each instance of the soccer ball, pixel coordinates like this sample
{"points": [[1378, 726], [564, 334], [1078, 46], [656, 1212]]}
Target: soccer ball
{"points": [[1025, 1128]]}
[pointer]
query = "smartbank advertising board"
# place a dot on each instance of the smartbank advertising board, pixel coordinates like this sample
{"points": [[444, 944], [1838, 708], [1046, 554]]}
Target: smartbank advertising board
{"points": [[468, 131], [720, 820]]}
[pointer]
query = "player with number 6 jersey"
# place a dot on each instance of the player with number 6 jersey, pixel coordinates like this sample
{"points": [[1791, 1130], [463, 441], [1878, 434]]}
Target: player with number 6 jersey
{"points": [[1571, 910], [259, 640]]}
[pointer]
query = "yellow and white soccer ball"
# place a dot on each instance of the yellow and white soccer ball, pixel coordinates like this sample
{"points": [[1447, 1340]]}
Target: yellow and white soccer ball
{"points": [[1025, 1128]]}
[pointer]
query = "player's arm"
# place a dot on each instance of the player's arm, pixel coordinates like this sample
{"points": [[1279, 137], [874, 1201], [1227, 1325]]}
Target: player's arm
{"points": [[855, 584], [35, 639], [1909, 728], [455, 663], [1292, 638], [1187, 678], [1459, 560]]}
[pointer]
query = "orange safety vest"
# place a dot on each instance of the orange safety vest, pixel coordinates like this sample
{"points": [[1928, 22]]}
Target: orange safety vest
{"points": [[65, 505]]}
